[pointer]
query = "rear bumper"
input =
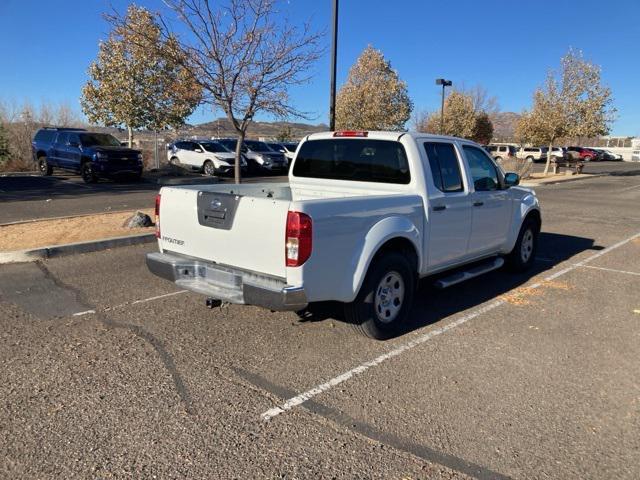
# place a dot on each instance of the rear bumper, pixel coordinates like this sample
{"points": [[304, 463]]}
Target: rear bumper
{"points": [[226, 283]]}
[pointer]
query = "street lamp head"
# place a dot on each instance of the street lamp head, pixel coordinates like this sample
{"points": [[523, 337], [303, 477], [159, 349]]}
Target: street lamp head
{"points": [[443, 82]]}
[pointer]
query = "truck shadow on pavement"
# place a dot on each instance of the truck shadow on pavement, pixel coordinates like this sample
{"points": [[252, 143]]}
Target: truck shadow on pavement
{"points": [[432, 305]]}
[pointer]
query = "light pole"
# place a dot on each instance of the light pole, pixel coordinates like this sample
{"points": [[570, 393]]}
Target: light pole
{"points": [[444, 83], [334, 49]]}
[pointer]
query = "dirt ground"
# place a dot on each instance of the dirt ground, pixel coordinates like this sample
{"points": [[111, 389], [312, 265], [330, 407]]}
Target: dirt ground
{"points": [[44, 233]]}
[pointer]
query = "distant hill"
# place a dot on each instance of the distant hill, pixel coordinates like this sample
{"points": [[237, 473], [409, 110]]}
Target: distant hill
{"points": [[269, 130], [504, 126]]}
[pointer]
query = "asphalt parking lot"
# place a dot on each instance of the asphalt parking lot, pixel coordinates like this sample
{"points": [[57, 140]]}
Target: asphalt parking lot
{"points": [[108, 371], [29, 197]]}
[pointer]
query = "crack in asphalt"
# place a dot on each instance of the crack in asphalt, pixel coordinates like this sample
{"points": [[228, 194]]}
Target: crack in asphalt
{"points": [[139, 331], [399, 443]]}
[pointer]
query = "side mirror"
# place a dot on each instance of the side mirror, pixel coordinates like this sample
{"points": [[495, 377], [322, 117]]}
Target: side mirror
{"points": [[511, 179], [198, 150]]}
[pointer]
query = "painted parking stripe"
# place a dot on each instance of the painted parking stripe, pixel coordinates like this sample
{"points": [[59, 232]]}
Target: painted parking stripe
{"points": [[157, 297], [323, 387], [136, 302], [611, 270]]}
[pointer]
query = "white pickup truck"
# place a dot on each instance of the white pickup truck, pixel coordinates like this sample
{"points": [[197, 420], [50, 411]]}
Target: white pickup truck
{"points": [[363, 217]]}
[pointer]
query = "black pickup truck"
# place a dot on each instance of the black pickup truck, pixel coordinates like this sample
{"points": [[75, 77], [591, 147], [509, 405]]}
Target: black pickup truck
{"points": [[93, 155]]}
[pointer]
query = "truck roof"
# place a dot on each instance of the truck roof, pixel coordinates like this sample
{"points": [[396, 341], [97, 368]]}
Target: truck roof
{"points": [[379, 135]]}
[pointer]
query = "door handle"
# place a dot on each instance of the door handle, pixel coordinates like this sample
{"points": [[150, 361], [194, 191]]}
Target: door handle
{"points": [[478, 204], [439, 208]]}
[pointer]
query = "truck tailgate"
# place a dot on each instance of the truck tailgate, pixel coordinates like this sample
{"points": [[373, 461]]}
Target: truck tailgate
{"points": [[234, 230]]}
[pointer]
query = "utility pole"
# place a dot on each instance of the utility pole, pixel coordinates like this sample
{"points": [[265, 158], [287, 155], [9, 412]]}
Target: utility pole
{"points": [[334, 50], [444, 83]]}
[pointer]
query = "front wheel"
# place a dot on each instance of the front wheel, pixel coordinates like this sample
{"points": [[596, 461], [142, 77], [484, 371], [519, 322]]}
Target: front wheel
{"points": [[209, 168], [43, 166], [87, 173], [522, 256], [530, 159], [383, 304]]}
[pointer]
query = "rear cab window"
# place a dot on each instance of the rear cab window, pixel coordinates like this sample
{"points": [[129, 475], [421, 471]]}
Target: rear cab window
{"points": [[359, 160], [444, 166]]}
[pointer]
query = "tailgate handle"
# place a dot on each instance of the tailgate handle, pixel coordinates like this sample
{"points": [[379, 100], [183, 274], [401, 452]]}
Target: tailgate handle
{"points": [[219, 214]]}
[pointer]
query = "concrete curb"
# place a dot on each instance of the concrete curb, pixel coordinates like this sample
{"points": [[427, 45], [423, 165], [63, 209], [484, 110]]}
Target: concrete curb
{"points": [[553, 181], [74, 248]]}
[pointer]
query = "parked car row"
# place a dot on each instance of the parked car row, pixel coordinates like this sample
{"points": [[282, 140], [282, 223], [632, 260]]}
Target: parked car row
{"points": [[217, 157], [540, 154]]}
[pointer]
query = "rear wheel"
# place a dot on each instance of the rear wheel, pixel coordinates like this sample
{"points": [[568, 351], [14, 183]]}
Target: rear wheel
{"points": [[43, 166], [87, 173], [498, 159], [383, 304], [522, 256], [530, 159], [209, 168], [588, 158]]}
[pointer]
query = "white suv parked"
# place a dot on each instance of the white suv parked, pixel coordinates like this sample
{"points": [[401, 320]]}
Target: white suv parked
{"points": [[207, 156], [533, 154]]}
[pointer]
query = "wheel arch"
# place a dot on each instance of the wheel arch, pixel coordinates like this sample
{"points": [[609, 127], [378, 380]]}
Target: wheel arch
{"points": [[528, 208], [392, 234]]}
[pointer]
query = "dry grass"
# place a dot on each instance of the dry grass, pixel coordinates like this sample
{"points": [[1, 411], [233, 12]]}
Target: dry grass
{"points": [[44, 233]]}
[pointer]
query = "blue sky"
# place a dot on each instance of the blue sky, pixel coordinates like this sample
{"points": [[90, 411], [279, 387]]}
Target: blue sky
{"points": [[504, 45]]}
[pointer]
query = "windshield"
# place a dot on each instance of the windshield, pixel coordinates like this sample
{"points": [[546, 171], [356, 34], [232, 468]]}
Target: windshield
{"points": [[257, 146], [228, 144], [214, 147], [98, 140]]}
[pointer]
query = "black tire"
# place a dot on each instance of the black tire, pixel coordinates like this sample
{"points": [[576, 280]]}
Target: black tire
{"points": [[387, 292], [523, 255], [174, 162], [87, 173], [43, 167], [208, 168], [530, 159]]}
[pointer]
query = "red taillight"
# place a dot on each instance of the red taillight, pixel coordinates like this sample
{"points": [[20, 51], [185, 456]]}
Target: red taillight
{"points": [[351, 133], [298, 239], [157, 216]]}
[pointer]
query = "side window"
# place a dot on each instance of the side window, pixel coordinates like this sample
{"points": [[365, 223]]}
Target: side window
{"points": [[483, 171], [74, 138], [444, 165], [63, 138]]}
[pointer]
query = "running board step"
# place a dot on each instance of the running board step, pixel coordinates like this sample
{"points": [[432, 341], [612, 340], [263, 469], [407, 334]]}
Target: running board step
{"points": [[458, 277]]}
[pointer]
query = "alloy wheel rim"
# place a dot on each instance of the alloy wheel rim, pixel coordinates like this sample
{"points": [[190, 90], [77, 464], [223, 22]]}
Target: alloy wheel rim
{"points": [[526, 249], [208, 169], [389, 297]]}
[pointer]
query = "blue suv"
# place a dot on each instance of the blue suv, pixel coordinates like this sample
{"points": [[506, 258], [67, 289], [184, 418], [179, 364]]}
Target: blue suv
{"points": [[91, 154]]}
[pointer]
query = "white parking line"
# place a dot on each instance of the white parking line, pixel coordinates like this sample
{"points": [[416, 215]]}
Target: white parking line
{"points": [[629, 188], [150, 299], [323, 387], [611, 270], [136, 302]]}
